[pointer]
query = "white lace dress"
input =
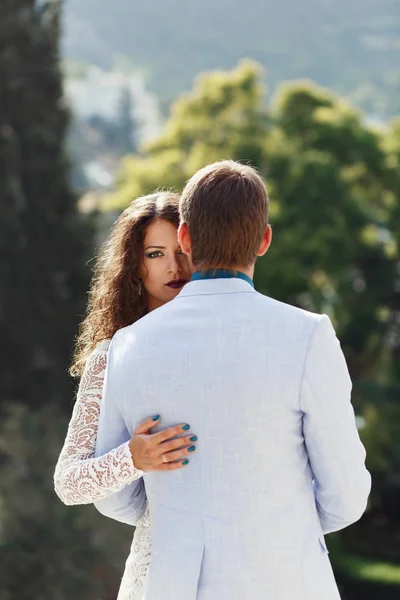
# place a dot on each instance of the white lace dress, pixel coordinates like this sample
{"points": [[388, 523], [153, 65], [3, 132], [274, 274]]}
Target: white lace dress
{"points": [[80, 478]]}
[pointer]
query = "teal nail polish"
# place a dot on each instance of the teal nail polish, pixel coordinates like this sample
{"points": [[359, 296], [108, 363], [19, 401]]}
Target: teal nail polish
{"points": [[192, 449], [193, 439], [185, 462], [186, 427], [156, 418]]}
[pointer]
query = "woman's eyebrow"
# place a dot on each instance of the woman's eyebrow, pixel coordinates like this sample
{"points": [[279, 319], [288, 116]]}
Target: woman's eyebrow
{"points": [[159, 247]]}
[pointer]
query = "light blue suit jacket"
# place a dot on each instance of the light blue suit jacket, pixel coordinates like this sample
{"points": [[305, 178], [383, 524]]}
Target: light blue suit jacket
{"points": [[279, 462]]}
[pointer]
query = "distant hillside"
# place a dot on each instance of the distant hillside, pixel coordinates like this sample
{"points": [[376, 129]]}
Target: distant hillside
{"points": [[352, 46]]}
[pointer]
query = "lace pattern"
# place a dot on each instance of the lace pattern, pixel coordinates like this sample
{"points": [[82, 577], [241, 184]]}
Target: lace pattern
{"points": [[138, 562], [80, 478]]}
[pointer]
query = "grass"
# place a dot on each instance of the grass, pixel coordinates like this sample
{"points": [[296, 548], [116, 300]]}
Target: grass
{"points": [[370, 570]]}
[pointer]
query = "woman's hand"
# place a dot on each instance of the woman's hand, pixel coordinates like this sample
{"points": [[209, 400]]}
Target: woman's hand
{"points": [[161, 451]]}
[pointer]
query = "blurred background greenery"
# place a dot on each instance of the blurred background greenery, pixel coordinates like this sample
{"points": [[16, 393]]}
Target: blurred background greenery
{"points": [[97, 106]]}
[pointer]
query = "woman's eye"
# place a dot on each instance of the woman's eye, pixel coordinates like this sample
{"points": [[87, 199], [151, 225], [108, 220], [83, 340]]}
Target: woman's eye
{"points": [[154, 254]]}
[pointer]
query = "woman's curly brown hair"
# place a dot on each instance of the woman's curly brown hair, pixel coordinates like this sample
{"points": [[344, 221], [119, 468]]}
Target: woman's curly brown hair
{"points": [[116, 296]]}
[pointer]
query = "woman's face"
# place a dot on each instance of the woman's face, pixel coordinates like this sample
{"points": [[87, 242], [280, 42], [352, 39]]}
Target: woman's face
{"points": [[165, 269]]}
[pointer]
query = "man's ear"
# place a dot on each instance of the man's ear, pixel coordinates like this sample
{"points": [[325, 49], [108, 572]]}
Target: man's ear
{"points": [[266, 241], [184, 238]]}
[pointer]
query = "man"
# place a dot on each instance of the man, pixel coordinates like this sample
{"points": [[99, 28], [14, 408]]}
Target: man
{"points": [[265, 388]]}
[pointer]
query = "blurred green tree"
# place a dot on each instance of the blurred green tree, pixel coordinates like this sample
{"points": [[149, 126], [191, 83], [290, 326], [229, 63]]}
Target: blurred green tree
{"points": [[335, 189], [223, 116], [44, 242], [47, 550]]}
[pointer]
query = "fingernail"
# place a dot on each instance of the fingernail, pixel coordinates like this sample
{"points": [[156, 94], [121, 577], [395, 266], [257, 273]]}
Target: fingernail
{"points": [[185, 462], [186, 427], [192, 448], [156, 418], [193, 439]]}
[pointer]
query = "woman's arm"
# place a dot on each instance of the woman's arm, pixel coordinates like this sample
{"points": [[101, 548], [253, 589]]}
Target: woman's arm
{"points": [[79, 477]]}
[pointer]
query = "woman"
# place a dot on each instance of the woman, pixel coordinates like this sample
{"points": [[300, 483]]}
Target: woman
{"points": [[140, 268]]}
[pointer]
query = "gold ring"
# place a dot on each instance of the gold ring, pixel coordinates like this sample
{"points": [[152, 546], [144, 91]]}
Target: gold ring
{"points": [[165, 459]]}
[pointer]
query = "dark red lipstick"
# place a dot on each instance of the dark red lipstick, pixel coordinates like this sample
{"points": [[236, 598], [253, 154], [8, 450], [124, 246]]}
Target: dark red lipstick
{"points": [[176, 284]]}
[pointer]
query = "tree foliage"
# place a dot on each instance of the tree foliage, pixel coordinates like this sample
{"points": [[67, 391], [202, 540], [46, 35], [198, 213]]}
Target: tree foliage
{"points": [[43, 241], [47, 550]]}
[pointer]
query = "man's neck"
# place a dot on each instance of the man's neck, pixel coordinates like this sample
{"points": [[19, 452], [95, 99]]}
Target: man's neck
{"points": [[249, 271]]}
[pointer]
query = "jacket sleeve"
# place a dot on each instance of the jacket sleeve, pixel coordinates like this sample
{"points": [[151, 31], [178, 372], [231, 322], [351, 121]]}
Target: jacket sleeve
{"points": [[129, 503], [337, 457]]}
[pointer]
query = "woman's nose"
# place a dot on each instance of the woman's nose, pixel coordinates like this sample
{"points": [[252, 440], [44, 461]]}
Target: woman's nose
{"points": [[174, 266]]}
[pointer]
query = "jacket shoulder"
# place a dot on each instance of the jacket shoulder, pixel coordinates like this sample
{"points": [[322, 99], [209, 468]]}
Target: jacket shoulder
{"points": [[278, 308], [143, 326]]}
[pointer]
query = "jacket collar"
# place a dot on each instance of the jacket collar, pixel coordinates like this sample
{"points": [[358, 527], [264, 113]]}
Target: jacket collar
{"points": [[216, 286]]}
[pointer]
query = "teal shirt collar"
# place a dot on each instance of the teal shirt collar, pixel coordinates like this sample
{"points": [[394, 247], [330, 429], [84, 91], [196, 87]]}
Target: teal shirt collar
{"points": [[221, 274]]}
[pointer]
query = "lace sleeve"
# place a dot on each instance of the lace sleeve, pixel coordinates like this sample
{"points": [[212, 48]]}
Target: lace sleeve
{"points": [[80, 478]]}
